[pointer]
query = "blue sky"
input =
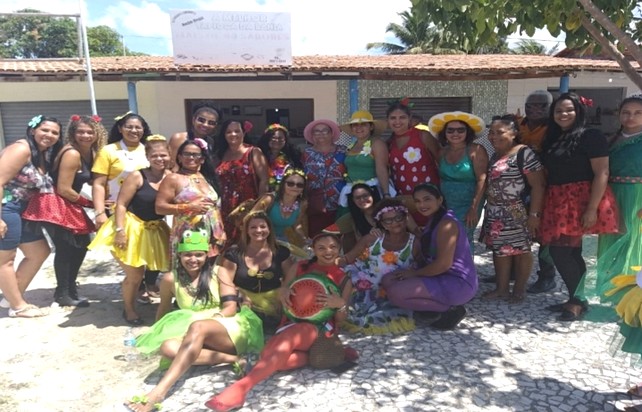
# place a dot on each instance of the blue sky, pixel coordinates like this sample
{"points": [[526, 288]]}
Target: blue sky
{"points": [[323, 27]]}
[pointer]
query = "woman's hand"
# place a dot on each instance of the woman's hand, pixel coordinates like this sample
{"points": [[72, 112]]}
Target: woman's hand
{"points": [[120, 240], [331, 300], [284, 296], [201, 205], [471, 217], [401, 274], [3, 229], [589, 218], [245, 300], [376, 233], [533, 225]]}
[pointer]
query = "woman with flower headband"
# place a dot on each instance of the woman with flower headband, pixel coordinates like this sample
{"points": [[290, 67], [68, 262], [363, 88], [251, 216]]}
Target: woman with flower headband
{"points": [[578, 199], [192, 201], [62, 213], [287, 208], [207, 329], [23, 172], [413, 154], [367, 158], [445, 278], [258, 265], [279, 152], [462, 165], [386, 248], [136, 235], [242, 172]]}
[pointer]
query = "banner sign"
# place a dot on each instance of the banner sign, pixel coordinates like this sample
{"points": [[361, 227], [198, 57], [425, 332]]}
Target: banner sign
{"points": [[231, 37]]}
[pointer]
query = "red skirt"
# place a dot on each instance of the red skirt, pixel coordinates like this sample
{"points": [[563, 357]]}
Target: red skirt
{"points": [[564, 206], [53, 208]]}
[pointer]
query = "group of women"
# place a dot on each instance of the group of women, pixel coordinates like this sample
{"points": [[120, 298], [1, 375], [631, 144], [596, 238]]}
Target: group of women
{"points": [[405, 211]]}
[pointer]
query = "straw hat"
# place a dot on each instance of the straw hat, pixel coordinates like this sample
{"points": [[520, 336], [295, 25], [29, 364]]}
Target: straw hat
{"points": [[438, 121], [364, 116]]}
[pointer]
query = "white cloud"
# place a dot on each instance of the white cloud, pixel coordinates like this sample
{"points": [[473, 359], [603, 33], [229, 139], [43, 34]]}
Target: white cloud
{"points": [[146, 19]]}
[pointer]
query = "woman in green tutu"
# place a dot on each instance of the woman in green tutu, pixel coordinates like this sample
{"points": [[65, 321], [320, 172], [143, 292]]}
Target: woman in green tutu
{"points": [[207, 330]]}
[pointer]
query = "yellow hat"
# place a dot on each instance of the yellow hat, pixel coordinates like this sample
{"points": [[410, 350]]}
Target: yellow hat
{"points": [[364, 116], [438, 121]]}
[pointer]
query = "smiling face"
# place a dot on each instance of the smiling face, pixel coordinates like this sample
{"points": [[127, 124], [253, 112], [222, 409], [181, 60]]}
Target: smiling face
{"points": [[158, 156], [258, 229], [191, 157], [85, 136], [631, 117], [277, 141], [501, 136], [564, 114], [399, 121], [393, 221], [234, 134], [456, 132], [204, 123], [132, 131], [362, 131], [294, 185], [193, 261], [326, 249], [427, 203], [362, 198], [322, 135], [46, 135]]}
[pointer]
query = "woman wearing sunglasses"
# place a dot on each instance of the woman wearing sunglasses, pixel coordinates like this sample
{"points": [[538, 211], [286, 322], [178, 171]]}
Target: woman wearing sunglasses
{"points": [[205, 118], [388, 247]]}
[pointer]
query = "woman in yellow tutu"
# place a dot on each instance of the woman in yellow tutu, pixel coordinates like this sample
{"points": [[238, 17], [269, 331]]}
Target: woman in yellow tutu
{"points": [[136, 235]]}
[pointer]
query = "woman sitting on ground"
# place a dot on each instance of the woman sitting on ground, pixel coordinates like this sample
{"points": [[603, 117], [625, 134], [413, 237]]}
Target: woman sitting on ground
{"points": [[446, 278], [207, 329], [257, 266], [388, 247]]}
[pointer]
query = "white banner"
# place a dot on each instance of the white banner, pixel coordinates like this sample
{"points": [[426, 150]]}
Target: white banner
{"points": [[230, 37]]}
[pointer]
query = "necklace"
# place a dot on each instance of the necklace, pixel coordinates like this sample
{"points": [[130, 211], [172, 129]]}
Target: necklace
{"points": [[194, 177], [289, 209]]}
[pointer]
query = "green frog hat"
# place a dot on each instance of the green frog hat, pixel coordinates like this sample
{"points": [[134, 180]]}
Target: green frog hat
{"points": [[194, 240]]}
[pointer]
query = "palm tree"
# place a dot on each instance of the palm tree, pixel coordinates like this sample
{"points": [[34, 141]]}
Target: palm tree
{"points": [[528, 46]]}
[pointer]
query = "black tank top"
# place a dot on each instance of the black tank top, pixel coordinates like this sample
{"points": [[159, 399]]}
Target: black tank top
{"points": [[83, 176], [143, 203]]}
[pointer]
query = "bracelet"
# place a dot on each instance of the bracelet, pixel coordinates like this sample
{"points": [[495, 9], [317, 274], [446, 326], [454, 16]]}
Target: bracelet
{"points": [[119, 229], [343, 308]]}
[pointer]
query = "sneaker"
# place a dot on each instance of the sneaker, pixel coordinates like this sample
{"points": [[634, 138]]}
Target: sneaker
{"points": [[542, 285], [143, 298]]}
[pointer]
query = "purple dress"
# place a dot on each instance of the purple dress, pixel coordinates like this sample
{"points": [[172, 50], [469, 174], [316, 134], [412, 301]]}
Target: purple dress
{"points": [[458, 285]]}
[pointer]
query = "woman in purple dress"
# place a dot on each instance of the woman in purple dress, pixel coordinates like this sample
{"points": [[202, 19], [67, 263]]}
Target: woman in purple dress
{"points": [[446, 278]]}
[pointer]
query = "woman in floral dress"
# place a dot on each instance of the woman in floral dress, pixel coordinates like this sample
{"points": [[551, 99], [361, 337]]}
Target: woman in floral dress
{"points": [[375, 255], [509, 227], [412, 154]]}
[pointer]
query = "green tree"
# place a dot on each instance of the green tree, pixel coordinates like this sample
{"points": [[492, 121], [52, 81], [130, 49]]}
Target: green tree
{"points": [[612, 24], [528, 46], [28, 37]]}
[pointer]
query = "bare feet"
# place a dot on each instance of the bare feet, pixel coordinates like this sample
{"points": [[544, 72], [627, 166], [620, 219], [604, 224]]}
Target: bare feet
{"points": [[495, 294], [231, 398], [517, 297], [145, 403]]}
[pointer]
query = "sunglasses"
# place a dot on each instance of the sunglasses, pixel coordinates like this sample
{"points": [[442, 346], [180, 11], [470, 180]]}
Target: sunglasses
{"points": [[297, 184], [203, 120], [192, 155], [455, 130], [396, 219]]}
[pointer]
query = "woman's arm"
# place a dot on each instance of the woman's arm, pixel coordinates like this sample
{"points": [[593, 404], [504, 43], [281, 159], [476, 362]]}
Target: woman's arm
{"points": [[166, 194], [431, 144], [299, 226], [537, 182], [600, 166], [68, 166], [175, 142], [447, 234], [363, 243], [284, 290], [132, 183], [166, 295], [479, 157], [380, 154], [260, 170], [225, 275], [264, 203], [98, 197], [14, 157]]}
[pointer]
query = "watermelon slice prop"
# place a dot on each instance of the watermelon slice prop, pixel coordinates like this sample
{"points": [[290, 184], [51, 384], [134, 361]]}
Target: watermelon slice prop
{"points": [[304, 300]]}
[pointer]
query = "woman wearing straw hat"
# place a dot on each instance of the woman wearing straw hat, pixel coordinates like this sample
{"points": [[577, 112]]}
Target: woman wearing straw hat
{"points": [[367, 159], [323, 165], [462, 165]]}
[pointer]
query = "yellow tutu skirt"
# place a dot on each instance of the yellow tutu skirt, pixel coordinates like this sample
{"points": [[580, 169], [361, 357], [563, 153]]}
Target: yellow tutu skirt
{"points": [[265, 302], [630, 306], [147, 242]]}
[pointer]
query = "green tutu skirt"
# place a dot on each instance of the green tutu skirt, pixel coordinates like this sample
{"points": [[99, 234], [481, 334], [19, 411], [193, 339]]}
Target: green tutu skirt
{"points": [[245, 329]]}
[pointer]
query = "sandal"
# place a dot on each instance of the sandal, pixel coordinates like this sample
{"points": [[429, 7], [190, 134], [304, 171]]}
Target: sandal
{"points": [[572, 312], [635, 390], [143, 401], [28, 311]]}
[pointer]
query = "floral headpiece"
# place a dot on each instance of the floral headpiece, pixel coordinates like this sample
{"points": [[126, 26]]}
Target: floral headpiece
{"points": [[198, 142], [248, 126], [157, 138], [289, 171], [94, 117], [404, 101], [274, 127], [118, 118], [586, 101], [35, 121], [387, 209]]}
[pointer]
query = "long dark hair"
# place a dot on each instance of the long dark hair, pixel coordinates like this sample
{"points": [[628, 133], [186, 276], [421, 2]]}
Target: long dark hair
{"points": [[306, 264], [203, 293], [52, 152], [290, 152], [116, 136], [358, 217], [554, 132], [221, 144], [245, 238], [436, 218]]}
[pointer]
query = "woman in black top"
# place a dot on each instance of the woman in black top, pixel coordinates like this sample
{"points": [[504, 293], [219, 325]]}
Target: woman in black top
{"points": [[258, 265], [578, 200]]}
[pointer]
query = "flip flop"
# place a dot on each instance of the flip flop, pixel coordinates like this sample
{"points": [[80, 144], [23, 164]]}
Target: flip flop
{"points": [[142, 400], [28, 311]]}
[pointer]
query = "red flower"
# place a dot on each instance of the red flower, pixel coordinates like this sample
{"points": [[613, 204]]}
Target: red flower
{"points": [[74, 118], [586, 101], [96, 118]]}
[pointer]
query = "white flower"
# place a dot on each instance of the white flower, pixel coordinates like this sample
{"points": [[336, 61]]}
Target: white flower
{"points": [[412, 155]]}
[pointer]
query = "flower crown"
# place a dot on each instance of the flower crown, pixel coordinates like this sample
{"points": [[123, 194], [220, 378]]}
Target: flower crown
{"points": [[289, 171], [94, 117], [404, 101], [275, 126], [387, 209]]}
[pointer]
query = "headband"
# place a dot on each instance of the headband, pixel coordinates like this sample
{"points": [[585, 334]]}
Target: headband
{"points": [[387, 209], [156, 138], [275, 126]]}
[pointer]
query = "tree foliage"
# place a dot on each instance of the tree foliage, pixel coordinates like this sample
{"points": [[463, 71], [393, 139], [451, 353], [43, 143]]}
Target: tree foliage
{"points": [[528, 46], [612, 24], [27, 37]]}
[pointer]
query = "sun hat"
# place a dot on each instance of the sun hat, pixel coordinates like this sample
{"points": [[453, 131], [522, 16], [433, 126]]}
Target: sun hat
{"points": [[364, 116], [194, 240], [307, 132], [438, 121]]}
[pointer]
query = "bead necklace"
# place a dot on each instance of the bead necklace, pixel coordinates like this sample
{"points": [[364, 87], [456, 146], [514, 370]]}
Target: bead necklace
{"points": [[289, 209]]}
